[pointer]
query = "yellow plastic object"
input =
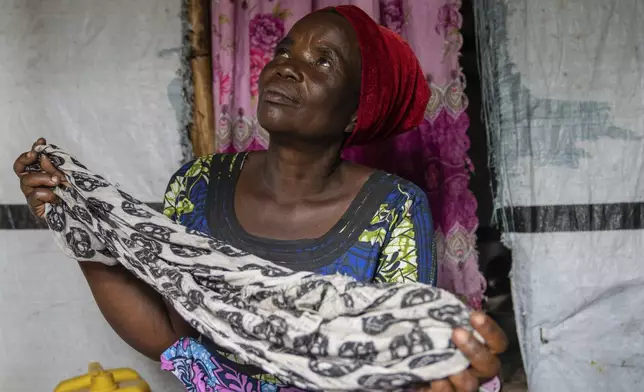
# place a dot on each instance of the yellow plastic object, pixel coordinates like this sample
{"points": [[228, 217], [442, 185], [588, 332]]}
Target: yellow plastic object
{"points": [[99, 380]]}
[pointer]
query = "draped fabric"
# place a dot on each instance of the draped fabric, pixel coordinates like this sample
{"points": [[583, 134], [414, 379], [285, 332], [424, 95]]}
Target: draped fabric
{"points": [[317, 332], [434, 156]]}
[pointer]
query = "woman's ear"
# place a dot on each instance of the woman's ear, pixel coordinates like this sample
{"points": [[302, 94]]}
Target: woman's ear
{"points": [[352, 124]]}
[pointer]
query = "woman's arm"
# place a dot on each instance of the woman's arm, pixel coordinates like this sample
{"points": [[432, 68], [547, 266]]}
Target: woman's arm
{"points": [[408, 253], [134, 310]]}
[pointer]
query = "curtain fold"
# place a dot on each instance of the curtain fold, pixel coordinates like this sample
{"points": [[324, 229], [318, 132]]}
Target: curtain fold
{"points": [[434, 156]]}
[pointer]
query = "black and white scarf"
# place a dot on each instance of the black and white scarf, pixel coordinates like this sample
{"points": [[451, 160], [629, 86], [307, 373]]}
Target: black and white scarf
{"points": [[315, 332]]}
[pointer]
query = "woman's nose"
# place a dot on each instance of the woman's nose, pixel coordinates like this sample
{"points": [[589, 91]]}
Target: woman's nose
{"points": [[287, 70]]}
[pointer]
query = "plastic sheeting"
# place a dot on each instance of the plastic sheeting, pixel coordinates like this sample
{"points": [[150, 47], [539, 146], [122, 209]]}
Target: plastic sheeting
{"points": [[98, 77], [50, 326], [564, 94]]}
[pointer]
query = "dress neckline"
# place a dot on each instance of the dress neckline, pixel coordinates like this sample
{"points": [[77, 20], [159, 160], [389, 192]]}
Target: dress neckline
{"points": [[343, 234]]}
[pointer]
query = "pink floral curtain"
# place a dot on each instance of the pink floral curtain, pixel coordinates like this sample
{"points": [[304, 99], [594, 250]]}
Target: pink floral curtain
{"points": [[434, 156]]}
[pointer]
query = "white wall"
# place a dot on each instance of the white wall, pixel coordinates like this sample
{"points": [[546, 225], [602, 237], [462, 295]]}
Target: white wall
{"points": [[93, 77], [50, 326]]}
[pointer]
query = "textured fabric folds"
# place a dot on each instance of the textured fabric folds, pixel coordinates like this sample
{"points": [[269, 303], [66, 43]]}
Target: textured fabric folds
{"points": [[315, 332]]}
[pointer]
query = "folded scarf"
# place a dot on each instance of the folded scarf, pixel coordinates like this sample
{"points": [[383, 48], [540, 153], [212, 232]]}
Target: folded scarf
{"points": [[312, 331]]}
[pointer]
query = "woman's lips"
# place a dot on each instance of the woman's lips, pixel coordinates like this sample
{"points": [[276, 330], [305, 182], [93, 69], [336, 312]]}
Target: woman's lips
{"points": [[278, 96]]}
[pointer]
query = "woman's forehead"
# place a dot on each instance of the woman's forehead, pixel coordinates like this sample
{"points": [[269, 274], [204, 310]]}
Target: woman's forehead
{"points": [[324, 27]]}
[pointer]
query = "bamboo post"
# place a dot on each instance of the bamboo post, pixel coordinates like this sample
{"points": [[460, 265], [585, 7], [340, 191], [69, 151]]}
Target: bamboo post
{"points": [[202, 132]]}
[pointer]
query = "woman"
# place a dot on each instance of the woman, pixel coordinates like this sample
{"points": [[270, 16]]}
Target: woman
{"points": [[297, 203]]}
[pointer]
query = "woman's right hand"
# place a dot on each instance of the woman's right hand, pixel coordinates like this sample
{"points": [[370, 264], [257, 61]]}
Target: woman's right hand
{"points": [[37, 185]]}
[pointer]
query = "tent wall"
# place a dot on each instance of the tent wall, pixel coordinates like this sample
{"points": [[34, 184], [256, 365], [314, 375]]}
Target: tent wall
{"points": [[564, 94], [99, 78]]}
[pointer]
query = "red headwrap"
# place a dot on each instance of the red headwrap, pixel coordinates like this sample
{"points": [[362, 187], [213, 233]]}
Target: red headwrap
{"points": [[393, 91]]}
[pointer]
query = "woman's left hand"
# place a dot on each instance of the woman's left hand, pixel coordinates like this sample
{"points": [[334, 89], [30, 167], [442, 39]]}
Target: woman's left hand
{"points": [[483, 357]]}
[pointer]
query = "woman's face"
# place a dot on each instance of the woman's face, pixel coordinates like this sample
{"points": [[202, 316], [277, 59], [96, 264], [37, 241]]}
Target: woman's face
{"points": [[310, 89]]}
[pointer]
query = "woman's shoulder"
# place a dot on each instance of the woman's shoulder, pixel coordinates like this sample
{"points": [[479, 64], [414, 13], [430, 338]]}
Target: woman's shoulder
{"points": [[185, 199], [400, 190], [380, 181], [203, 165], [406, 186], [191, 180]]}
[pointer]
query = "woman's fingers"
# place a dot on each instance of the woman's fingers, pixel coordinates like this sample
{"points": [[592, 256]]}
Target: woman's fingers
{"points": [[483, 358], [46, 164], [36, 184], [491, 332], [38, 180], [483, 361], [41, 196], [440, 386], [38, 198], [37, 189], [465, 381], [51, 170], [25, 159], [40, 142]]}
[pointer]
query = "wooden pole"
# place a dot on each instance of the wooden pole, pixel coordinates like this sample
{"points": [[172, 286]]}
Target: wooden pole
{"points": [[202, 132]]}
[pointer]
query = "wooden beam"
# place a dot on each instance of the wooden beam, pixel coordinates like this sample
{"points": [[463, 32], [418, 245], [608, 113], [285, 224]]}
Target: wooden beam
{"points": [[202, 132]]}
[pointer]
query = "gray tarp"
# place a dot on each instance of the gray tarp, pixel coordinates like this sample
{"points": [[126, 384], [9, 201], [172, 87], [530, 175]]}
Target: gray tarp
{"points": [[564, 95]]}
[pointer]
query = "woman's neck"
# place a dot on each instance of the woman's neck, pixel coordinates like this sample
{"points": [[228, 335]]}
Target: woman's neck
{"points": [[291, 174]]}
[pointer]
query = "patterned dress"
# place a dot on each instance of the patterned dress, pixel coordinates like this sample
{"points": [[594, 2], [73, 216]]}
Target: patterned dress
{"points": [[386, 235]]}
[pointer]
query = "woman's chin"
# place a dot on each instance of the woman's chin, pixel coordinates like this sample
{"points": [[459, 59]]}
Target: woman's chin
{"points": [[274, 120]]}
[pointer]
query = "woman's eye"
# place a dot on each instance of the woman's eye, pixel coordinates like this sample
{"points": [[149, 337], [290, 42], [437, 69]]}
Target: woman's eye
{"points": [[280, 52], [324, 62]]}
